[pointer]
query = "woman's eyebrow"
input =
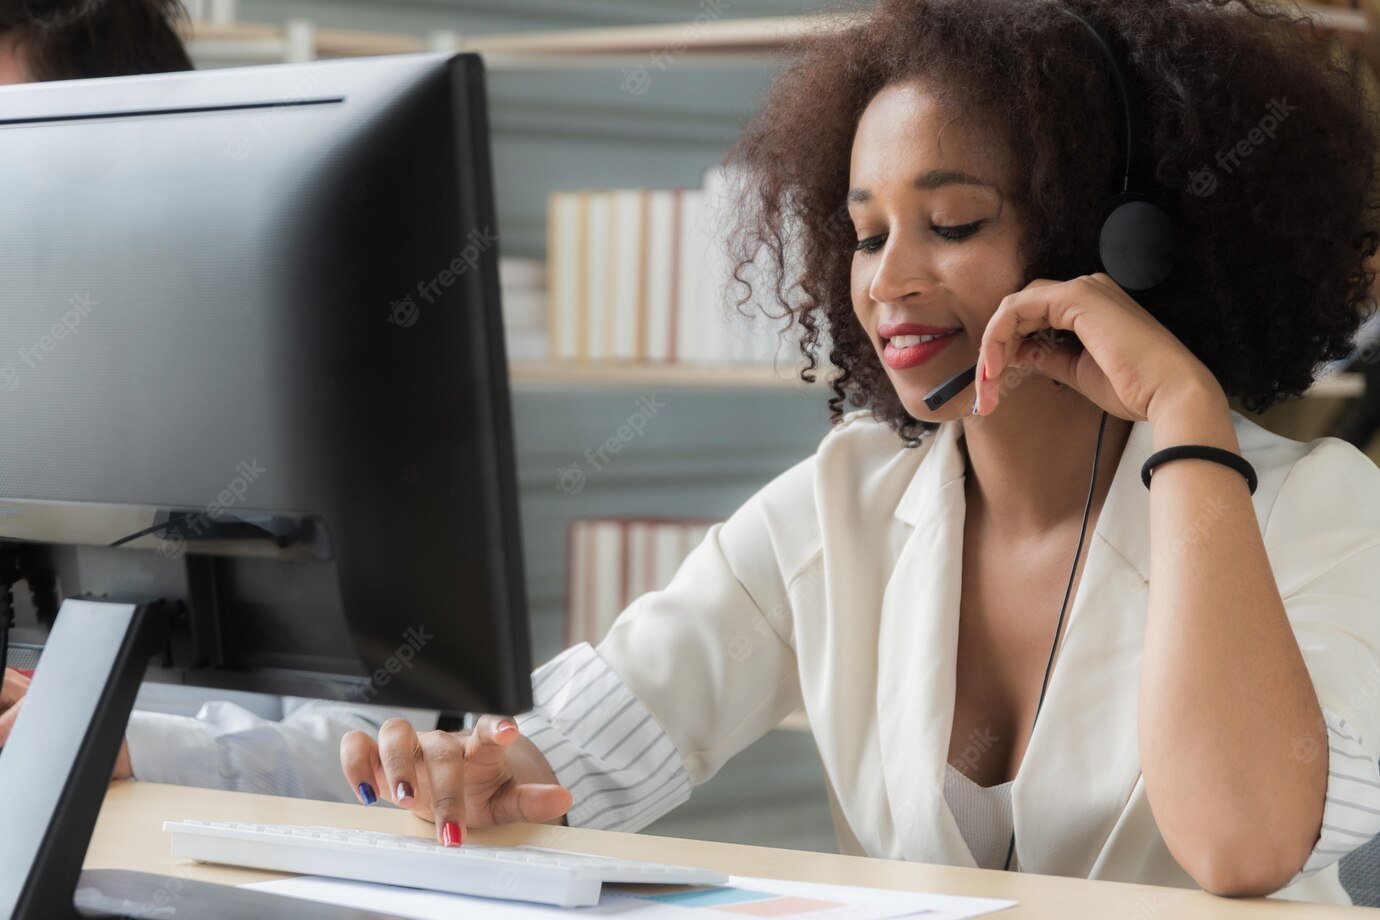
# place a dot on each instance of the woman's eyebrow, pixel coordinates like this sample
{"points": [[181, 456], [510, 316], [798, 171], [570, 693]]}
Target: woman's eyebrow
{"points": [[933, 179]]}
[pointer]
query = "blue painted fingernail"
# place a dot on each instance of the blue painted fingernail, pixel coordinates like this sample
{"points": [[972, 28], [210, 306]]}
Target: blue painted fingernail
{"points": [[974, 412], [366, 792]]}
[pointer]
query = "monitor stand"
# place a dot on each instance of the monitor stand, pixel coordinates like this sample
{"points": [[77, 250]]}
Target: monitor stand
{"points": [[55, 769]]}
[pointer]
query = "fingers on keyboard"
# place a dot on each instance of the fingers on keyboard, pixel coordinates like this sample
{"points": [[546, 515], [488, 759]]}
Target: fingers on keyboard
{"points": [[358, 756], [399, 748], [444, 756]]}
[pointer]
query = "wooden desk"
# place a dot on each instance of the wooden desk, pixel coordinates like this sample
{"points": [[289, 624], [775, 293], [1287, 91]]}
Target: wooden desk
{"points": [[129, 835]]}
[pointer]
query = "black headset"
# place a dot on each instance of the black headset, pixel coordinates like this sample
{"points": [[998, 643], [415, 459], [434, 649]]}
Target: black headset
{"points": [[1138, 240]]}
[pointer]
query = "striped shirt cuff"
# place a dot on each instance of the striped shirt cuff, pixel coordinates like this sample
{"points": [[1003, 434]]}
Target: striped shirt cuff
{"points": [[622, 769], [1351, 812]]}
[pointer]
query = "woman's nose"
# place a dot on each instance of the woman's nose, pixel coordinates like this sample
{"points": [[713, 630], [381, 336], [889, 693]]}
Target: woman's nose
{"points": [[903, 270]]}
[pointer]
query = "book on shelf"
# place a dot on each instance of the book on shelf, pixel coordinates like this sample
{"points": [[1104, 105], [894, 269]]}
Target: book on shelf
{"points": [[643, 276], [611, 562], [522, 292]]}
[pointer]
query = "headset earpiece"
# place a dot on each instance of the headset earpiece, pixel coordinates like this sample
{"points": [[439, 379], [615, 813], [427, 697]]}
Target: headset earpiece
{"points": [[1137, 242]]}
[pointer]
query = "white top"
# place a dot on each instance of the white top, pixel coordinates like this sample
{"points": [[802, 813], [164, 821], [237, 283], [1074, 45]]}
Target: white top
{"points": [[983, 816], [837, 586]]}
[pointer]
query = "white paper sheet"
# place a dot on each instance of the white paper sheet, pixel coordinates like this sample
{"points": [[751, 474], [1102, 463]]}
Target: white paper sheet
{"points": [[743, 897]]}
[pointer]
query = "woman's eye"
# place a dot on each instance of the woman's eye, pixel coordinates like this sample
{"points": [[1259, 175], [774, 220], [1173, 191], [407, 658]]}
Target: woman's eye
{"points": [[959, 232], [873, 244]]}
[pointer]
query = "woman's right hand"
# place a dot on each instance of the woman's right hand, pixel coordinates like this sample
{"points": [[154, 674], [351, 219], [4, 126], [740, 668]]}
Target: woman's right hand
{"points": [[486, 776]]}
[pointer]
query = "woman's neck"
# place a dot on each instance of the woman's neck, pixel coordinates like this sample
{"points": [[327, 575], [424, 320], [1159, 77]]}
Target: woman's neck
{"points": [[1028, 464]]}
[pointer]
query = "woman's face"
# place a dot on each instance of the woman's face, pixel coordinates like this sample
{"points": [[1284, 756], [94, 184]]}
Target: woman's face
{"points": [[937, 248]]}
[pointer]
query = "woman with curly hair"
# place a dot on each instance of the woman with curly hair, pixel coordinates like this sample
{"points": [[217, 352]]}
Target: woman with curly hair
{"points": [[939, 171]]}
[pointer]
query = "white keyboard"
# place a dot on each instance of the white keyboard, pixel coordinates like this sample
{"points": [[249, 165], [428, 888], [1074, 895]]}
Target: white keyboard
{"points": [[523, 873]]}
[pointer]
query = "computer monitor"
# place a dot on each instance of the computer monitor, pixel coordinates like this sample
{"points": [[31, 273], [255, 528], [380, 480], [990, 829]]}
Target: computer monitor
{"points": [[254, 387]]}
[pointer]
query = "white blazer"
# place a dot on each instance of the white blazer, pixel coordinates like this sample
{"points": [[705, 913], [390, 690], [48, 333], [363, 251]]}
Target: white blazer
{"points": [[837, 586]]}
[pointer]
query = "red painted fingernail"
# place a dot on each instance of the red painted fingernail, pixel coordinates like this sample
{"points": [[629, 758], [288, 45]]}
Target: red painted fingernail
{"points": [[506, 726], [982, 371], [451, 835]]}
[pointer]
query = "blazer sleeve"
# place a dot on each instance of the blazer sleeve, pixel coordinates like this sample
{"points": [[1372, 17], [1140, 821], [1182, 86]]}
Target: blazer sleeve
{"points": [[686, 677], [1351, 807], [1323, 536], [622, 770]]}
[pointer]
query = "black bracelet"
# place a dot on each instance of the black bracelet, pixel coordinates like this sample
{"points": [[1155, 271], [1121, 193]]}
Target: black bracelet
{"points": [[1201, 452]]}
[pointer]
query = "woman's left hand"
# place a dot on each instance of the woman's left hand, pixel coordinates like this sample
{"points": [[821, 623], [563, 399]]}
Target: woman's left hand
{"points": [[1129, 360]]}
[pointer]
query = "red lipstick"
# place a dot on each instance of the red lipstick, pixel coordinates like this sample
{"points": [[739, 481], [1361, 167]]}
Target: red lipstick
{"points": [[910, 353]]}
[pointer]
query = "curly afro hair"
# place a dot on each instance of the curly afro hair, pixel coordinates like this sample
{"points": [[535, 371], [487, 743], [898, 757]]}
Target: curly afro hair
{"points": [[1261, 144]]}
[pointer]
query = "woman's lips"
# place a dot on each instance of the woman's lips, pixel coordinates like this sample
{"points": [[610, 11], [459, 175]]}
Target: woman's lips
{"points": [[899, 358]]}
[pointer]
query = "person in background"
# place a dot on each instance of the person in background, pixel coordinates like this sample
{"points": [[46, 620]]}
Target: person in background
{"points": [[79, 39], [246, 742]]}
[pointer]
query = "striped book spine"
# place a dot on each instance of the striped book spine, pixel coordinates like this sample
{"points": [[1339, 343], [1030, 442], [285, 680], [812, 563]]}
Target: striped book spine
{"points": [[611, 562]]}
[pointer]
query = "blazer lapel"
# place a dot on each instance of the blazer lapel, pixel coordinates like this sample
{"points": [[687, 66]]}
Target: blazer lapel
{"points": [[1083, 760], [917, 650]]}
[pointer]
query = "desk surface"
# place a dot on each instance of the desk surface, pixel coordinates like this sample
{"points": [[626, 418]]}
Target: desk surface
{"points": [[129, 835]]}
